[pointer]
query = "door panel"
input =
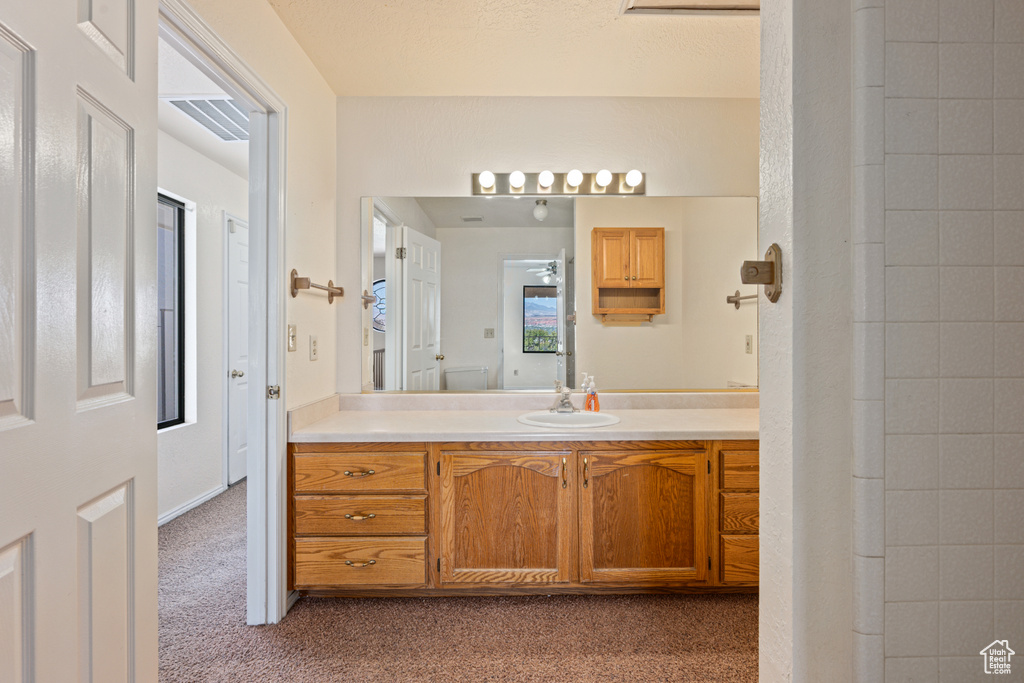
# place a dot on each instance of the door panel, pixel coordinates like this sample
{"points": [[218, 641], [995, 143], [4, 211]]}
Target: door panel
{"points": [[643, 517], [422, 310], [238, 347], [506, 517], [78, 385], [611, 267], [648, 247]]}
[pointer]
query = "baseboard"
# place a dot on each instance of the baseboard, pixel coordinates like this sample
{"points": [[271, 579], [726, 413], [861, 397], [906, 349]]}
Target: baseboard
{"points": [[293, 597], [185, 507]]}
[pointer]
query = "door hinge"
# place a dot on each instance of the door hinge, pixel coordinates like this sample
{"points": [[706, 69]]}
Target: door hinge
{"points": [[400, 252], [274, 392]]}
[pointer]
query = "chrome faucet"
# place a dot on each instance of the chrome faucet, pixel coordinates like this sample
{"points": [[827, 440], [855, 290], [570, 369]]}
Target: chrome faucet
{"points": [[563, 404]]}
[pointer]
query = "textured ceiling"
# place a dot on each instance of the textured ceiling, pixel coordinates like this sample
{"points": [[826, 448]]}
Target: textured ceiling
{"points": [[522, 47]]}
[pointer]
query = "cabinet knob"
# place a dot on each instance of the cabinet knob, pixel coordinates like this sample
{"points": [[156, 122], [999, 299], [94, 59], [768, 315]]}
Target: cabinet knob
{"points": [[634, 277], [237, 373], [439, 356]]}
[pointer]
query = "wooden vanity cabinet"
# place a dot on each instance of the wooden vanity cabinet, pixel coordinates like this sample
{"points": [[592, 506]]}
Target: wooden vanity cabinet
{"points": [[628, 271], [643, 516], [518, 518]]}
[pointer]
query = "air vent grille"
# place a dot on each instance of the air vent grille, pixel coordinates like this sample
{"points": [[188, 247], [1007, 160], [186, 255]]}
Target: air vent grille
{"points": [[224, 117], [472, 219]]}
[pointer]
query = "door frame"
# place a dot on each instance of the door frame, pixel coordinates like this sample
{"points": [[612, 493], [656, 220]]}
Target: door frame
{"points": [[226, 219], [266, 589]]}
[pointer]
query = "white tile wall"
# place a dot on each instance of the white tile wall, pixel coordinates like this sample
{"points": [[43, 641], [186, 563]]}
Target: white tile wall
{"points": [[949, 193]]}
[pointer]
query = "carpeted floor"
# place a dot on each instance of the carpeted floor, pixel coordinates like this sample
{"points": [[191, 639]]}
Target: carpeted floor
{"points": [[203, 636]]}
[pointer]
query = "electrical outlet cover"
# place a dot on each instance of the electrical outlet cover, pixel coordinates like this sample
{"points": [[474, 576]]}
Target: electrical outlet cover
{"points": [[314, 352]]}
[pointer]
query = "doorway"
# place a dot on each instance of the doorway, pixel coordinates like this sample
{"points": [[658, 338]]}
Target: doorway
{"points": [[265, 433]]}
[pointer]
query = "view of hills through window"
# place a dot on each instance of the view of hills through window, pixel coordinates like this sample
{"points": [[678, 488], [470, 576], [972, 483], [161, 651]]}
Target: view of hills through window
{"points": [[540, 316]]}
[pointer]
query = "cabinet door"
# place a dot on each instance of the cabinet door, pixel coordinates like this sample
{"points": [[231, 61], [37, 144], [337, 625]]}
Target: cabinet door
{"points": [[610, 257], [643, 517], [506, 517], [647, 257]]}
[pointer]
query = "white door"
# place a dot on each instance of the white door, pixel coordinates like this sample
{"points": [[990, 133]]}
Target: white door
{"points": [[559, 279], [78, 317], [421, 268], [238, 345]]}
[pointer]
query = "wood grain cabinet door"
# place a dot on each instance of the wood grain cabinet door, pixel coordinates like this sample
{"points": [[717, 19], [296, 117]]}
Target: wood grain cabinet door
{"points": [[643, 517], [647, 257], [610, 257], [506, 517]]}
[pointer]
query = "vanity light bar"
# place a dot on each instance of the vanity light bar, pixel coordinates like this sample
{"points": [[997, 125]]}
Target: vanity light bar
{"points": [[502, 185]]}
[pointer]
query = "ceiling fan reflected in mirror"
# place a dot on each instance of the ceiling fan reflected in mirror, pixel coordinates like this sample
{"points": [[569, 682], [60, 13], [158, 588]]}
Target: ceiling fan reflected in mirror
{"points": [[546, 274]]}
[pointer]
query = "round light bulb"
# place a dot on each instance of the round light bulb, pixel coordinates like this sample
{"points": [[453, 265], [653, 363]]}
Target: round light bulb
{"points": [[574, 177], [634, 178], [546, 279], [516, 179], [604, 177], [487, 180], [546, 179], [540, 211]]}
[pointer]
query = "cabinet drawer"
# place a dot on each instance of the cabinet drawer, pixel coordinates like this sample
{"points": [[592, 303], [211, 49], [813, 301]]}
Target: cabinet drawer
{"points": [[740, 559], [358, 472], [740, 470], [374, 562], [739, 512], [360, 515]]}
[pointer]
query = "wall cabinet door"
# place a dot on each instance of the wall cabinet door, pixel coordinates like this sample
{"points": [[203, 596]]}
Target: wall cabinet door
{"points": [[506, 517], [647, 257], [611, 253], [643, 517]]}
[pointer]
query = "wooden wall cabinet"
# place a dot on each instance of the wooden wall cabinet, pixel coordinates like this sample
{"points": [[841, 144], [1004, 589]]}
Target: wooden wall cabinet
{"points": [[628, 271], [519, 518]]}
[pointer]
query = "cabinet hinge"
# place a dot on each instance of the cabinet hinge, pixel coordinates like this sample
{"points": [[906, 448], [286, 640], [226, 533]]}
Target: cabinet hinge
{"points": [[439, 565], [709, 467], [709, 562], [400, 252], [439, 468], [274, 392]]}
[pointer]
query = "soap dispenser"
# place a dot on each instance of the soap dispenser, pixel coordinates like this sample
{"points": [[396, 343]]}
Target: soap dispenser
{"points": [[591, 403]]}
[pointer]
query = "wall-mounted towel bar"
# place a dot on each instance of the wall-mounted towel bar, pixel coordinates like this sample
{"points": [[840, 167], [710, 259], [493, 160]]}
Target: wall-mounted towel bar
{"points": [[305, 283], [736, 298]]}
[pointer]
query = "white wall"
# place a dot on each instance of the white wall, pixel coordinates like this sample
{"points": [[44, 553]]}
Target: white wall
{"points": [[939, 262], [430, 146], [471, 272], [699, 342], [190, 456], [253, 29]]}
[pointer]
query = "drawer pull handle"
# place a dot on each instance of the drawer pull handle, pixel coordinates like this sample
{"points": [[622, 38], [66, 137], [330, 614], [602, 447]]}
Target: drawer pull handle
{"points": [[586, 472], [359, 518], [564, 472], [350, 563], [358, 474]]}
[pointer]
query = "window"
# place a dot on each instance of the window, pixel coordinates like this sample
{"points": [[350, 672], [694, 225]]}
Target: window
{"points": [[170, 382], [540, 319]]}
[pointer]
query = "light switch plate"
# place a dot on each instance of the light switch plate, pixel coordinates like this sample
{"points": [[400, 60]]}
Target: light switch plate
{"points": [[750, 344], [488, 333], [314, 352], [292, 332]]}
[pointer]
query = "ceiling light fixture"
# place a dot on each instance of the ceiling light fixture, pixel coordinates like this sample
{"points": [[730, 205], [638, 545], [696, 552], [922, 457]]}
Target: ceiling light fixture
{"points": [[540, 211], [604, 178], [575, 183]]}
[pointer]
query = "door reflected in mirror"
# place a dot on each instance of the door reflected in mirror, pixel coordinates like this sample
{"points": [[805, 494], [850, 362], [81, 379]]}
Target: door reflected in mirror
{"points": [[478, 294]]}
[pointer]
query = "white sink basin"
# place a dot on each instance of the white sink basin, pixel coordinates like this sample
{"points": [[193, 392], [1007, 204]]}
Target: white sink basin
{"points": [[580, 420]]}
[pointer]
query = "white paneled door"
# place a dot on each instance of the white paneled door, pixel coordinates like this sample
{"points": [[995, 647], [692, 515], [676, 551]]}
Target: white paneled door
{"points": [[77, 341], [238, 346], [421, 278]]}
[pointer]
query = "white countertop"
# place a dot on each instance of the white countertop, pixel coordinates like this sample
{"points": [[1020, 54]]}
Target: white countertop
{"points": [[672, 424]]}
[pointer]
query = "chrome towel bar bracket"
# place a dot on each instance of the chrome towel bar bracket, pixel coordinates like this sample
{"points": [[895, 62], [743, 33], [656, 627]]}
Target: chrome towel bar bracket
{"points": [[305, 283]]}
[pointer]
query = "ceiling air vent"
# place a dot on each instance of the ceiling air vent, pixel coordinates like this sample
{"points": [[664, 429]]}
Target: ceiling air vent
{"points": [[704, 7], [472, 219], [224, 117]]}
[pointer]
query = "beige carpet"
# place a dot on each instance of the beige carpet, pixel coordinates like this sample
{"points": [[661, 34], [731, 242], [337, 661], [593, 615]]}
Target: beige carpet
{"points": [[203, 636]]}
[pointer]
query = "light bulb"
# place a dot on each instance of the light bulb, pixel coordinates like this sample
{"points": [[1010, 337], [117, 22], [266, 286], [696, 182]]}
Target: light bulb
{"points": [[546, 279], [546, 179], [540, 211], [634, 178], [487, 180], [517, 179], [604, 177], [574, 177]]}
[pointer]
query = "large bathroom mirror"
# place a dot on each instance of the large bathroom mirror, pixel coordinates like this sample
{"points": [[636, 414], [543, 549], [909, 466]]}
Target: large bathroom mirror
{"points": [[495, 293]]}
